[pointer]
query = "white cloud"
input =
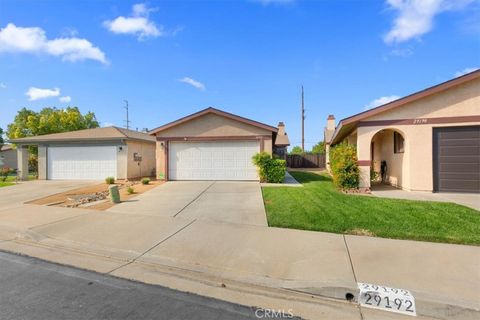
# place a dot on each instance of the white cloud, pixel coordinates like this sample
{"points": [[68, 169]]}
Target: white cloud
{"points": [[464, 71], [33, 40], [65, 99], [39, 93], [194, 83], [415, 17], [380, 101], [138, 23], [107, 124], [405, 52], [3, 85]]}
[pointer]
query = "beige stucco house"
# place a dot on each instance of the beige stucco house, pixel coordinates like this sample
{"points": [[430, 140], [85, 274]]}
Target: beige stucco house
{"points": [[91, 154], [214, 145], [208, 145], [429, 140]]}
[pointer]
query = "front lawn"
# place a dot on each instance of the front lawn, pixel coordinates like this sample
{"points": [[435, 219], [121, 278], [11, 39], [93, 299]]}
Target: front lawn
{"points": [[10, 181], [319, 206]]}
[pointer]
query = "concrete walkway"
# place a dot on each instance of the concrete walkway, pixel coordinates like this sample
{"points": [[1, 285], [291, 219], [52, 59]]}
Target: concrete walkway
{"points": [[471, 200], [248, 264]]}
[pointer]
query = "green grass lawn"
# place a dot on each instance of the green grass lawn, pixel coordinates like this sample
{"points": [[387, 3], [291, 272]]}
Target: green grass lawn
{"points": [[319, 206], [11, 180]]}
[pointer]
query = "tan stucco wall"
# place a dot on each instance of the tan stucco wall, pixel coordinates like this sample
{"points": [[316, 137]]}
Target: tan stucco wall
{"points": [[160, 156], [122, 157], [9, 158], [416, 163], [144, 168], [42, 162], [213, 125]]}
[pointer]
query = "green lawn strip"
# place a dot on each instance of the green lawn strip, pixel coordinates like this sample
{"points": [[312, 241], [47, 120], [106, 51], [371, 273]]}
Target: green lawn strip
{"points": [[6, 184], [319, 206]]}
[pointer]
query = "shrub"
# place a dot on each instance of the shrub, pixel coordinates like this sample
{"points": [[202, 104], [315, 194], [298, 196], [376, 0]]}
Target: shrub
{"points": [[269, 169], [344, 166], [130, 190], [109, 180], [4, 172], [145, 181]]}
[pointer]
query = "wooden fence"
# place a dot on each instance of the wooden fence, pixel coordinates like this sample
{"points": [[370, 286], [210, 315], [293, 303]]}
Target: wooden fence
{"points": [[306, 161]]}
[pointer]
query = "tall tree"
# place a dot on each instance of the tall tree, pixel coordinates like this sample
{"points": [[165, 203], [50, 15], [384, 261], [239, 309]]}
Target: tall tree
{"points": [[296, 150], [319, 148], [1, 136]]}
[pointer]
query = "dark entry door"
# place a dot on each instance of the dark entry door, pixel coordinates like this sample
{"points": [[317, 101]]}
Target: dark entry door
{"points": [[456, 159]]}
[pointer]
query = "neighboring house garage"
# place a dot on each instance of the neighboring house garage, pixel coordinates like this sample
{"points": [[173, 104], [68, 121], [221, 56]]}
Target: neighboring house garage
{"points": [[427, 141], [91, 154], [213, 145]]}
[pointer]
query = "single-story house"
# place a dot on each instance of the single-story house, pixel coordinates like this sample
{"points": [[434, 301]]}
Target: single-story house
{"points": [[8, 156], [429, 140], [208, 145], [90, 154], [214, 145]]}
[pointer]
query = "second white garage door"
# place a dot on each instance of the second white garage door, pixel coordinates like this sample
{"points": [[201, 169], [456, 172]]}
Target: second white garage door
{"points": [[77, 163], [226, 160]]}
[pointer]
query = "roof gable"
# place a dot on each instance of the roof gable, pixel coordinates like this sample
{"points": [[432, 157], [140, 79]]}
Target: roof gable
{"points": [[210, 111]]}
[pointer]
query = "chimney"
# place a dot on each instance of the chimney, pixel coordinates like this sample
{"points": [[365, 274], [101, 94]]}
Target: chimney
{"points": [[282, 137], [329, 129]]}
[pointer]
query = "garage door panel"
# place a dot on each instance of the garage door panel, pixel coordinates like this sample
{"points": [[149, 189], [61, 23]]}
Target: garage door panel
{"points": [[216, 160], [456, 153], [81, 163]]}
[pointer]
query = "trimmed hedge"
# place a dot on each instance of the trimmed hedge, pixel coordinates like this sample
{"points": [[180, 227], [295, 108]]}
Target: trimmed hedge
{"points": [[344, 166], [270, 169]]}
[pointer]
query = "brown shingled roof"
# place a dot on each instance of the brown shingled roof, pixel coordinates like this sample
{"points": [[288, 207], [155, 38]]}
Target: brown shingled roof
{"points": [[95, 134]]}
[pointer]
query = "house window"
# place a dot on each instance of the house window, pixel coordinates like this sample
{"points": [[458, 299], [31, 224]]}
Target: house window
{"points": [[398, 143]]}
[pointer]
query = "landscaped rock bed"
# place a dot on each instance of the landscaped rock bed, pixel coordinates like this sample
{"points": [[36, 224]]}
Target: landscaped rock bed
{"points": [[95, 196]]}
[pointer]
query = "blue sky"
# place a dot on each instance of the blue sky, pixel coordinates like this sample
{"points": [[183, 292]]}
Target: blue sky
{"points": [[173, 58]]}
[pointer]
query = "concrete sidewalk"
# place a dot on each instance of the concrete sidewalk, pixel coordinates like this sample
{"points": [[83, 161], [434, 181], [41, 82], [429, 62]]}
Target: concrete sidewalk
{"points": [[241, 263]]}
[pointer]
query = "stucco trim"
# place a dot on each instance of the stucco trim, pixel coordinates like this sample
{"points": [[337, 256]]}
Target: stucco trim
{"points": [[217, 112], [364, 163], [214, 138], [350, 122], [419, 121]]}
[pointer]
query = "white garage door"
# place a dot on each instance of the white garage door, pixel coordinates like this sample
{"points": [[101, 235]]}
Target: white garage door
{"points": [[229, 160], [87, 163]]}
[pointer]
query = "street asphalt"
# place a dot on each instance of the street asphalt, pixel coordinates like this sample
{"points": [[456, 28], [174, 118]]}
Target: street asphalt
{"points": [[34, 289]]}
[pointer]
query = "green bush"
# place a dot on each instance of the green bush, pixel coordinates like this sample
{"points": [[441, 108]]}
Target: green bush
{"points": [[130, 190], [344, 166], [109, 180], [145, 181], [269, 169]]}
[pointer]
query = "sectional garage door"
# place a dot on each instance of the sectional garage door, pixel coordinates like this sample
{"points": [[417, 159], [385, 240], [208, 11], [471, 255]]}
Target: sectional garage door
{"points": [[215, 160], [81, 163], [456, 159]]}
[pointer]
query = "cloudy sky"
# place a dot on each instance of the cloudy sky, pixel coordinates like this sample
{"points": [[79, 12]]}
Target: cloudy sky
{"points": [[169, 59]]}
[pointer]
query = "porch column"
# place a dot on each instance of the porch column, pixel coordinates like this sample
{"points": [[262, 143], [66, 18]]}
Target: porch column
{"points": [[42, 163], [364, 138], [22, 162]]}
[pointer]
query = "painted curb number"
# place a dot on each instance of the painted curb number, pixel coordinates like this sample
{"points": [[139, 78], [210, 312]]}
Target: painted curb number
{"points": [[386, 298]]}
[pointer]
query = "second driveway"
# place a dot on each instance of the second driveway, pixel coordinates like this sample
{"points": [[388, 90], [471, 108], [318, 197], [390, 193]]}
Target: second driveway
{"points": [[223, 201]]}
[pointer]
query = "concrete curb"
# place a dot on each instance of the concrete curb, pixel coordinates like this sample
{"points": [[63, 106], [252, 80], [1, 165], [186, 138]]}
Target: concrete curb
{"points": [[115, 263]]}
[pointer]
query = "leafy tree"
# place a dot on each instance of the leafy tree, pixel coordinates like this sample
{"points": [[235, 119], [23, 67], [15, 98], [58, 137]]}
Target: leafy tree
{"points": [[296, 150], [29, 123], [1, 136], [319, 148]]}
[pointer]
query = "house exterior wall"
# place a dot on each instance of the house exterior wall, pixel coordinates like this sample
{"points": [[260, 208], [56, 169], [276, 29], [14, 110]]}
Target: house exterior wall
{"points": [[9, 158], [413, 170], [209, 127], [42, 162], [144, 168]]}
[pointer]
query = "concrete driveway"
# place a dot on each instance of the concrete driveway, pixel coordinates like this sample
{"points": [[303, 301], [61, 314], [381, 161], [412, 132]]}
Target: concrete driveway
{"points": [[221, 201]]}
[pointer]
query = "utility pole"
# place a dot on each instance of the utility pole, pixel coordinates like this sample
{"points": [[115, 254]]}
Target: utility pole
{"points": [[303, 123], [126, 108]]}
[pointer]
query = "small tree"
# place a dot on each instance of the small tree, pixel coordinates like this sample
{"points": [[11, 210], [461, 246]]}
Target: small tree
{"points": [[296, 150], [1, 137], [344, 166], [319, 148]]}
